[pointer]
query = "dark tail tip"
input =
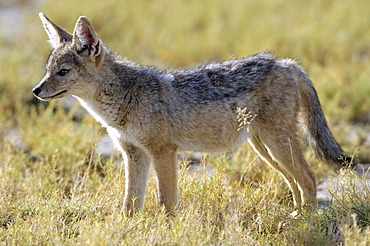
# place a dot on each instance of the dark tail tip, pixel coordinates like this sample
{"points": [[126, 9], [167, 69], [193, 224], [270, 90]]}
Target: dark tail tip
{"points": [[347, 161]]}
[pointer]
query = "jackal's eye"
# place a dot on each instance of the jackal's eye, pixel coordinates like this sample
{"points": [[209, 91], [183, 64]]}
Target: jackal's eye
{"points": [[63, 72]]}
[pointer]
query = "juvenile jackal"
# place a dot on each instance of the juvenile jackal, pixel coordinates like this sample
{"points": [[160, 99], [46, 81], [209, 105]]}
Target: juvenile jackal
{"points": [[152, 114]]}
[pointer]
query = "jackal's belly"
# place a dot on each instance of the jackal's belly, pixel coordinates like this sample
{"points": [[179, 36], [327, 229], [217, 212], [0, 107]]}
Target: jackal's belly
{"points": [[212, 141]]}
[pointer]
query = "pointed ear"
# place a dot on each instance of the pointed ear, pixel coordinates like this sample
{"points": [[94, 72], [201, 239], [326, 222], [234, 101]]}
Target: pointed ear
{"points": [[56, 34], [85, 38]]}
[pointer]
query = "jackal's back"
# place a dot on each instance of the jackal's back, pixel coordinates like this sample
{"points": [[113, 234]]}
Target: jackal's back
{"points": [[222, 81]]}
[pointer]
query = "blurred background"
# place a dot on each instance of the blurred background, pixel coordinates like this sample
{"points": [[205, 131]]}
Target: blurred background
{"points": [[329, 37], [60, 183]]}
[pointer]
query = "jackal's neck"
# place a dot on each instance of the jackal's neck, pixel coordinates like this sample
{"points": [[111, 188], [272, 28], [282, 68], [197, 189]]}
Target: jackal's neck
{"points": [[122, 87], [131, 73]]}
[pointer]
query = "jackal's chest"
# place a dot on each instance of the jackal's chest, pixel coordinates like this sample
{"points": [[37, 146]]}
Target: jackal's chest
{"points": [[108, 118]]}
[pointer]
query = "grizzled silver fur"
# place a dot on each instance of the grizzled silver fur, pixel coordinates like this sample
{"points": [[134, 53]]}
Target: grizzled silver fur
{"points": [[151, 114]]}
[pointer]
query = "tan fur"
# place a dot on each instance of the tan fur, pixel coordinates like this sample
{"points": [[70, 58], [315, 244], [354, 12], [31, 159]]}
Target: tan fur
{"points": [[152, 114]]}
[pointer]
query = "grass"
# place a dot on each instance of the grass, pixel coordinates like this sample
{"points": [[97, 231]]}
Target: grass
{"points": [[55, 191]]}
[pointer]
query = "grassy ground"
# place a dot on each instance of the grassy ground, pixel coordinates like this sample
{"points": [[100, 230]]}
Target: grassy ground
{"points": [[53, 190]]}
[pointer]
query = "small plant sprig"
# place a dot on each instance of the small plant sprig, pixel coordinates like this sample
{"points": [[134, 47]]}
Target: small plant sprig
{"points": [[244, 117]]}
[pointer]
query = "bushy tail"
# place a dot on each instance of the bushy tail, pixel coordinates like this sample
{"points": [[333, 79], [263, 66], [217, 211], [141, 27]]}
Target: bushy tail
{"points": [[315, 128]]}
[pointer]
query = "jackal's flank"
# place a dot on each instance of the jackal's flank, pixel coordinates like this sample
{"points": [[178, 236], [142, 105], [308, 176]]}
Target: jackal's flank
{"points": [[152, 114]]}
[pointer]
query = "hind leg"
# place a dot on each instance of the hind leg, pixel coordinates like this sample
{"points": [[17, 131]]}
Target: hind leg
{"points": [[280, 147], [262, 152]]}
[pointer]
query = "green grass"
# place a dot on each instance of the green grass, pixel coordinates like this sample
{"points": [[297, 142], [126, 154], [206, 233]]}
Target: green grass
{"points": [[55, 191]]}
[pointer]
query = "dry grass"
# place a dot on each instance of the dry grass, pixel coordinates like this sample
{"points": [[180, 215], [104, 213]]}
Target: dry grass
{"points": [[54, 191]]}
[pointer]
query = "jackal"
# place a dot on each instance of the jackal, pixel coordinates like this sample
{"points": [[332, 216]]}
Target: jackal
{"points": [[152, 114]]}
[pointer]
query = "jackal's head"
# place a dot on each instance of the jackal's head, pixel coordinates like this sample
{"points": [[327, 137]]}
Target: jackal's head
{"points": [[74, 63]]}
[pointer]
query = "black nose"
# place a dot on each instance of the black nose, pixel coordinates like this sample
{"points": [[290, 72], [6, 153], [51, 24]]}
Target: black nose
{"points": [[36, 91]]}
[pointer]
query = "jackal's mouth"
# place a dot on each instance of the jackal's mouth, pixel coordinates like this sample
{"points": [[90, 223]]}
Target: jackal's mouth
{"points": [[57, 95]]}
